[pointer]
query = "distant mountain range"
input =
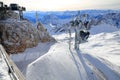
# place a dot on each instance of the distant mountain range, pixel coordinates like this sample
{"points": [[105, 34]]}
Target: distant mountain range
{"points": [[58, 17]]}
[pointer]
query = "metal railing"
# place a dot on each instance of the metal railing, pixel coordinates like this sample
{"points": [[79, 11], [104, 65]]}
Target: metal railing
{"points": [[13, 71]]}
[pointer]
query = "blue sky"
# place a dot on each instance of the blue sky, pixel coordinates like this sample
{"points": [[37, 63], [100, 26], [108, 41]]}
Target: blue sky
{"points": [[60, 5]]}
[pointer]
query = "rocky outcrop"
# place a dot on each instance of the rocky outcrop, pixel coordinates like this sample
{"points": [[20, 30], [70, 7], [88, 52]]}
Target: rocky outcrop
{"points": [[43, 34], [8, 15], [16, 35]]}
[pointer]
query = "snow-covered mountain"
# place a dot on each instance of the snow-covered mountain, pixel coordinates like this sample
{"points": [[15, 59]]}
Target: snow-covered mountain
{"points": [[66, 14], [97, 59], [113, 19], [50, 18], [59, 19]]}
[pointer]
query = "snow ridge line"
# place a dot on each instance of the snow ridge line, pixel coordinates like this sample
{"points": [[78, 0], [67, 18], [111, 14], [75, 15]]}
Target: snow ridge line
{"points": [[102, 68], [118, 74], [75, 61], [89, 70], [98, 73]]}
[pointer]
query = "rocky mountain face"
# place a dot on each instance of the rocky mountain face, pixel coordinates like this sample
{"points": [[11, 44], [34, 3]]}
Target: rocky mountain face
{"points": [[17, 35]]}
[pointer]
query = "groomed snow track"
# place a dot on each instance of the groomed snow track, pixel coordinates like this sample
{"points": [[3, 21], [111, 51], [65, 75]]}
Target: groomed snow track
{"points": [[92, 73]]}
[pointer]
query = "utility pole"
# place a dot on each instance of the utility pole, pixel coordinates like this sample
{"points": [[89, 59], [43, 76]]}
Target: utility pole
{"points": [[77, 39], [36, 18], [20, 13]]}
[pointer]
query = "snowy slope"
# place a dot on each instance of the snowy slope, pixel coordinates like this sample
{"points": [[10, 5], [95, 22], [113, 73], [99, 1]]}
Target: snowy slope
{"points": [[56, 64], [103, 50], [97, 59], [94, 61], [22, 60], [99, 54]]}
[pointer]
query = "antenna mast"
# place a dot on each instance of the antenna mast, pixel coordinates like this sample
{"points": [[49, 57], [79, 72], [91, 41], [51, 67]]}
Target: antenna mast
{"points": [[36, 18]]}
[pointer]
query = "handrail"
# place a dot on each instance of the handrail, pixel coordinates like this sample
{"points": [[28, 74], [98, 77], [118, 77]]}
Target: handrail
{"points": [[13, 71]]}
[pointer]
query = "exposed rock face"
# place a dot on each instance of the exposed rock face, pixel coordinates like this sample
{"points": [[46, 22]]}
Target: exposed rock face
{"points": [[8, 14], [16, 36]]}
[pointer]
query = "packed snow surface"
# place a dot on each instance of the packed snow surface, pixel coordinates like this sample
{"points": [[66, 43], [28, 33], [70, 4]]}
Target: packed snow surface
{"points": [[103, 50], [57, 64]]}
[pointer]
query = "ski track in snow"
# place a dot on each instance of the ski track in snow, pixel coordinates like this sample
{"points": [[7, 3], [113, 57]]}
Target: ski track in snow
{"points": [[55, 65], [92, 73], [78, 63], [102, 51], [103, 68]]}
